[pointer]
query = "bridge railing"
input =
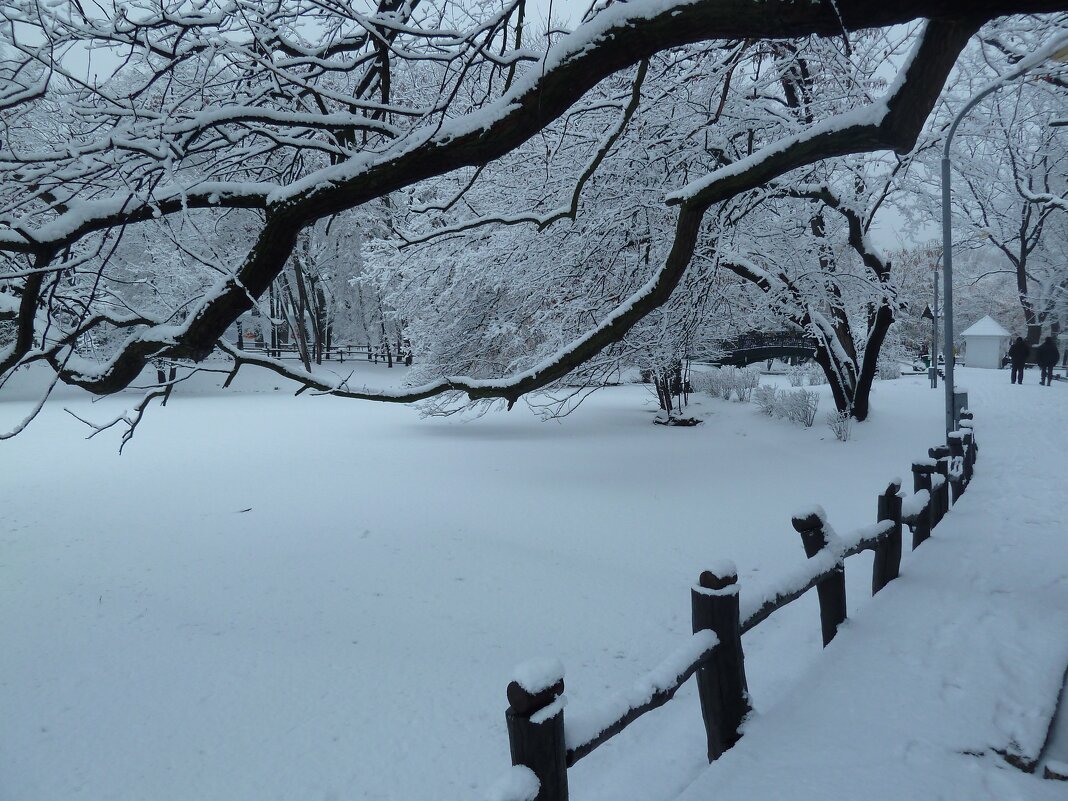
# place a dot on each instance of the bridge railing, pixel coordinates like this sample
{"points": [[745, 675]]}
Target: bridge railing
{"points": [[338, 353]]}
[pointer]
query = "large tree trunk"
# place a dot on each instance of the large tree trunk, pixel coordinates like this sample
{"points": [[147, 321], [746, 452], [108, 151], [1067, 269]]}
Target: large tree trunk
{"points": [[869, 365], [850, 377]]}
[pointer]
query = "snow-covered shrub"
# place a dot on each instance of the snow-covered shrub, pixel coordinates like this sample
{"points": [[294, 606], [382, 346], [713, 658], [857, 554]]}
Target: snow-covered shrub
{"points": [[701, 382], [726, 381], [718, 385], [796, 376], [766, 398], [841, 423], [816, 376], [888, 369], [744, 380], [800, 406]]}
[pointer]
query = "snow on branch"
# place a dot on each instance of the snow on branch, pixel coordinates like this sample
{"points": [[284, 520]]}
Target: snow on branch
{"points": [[151, 153]]}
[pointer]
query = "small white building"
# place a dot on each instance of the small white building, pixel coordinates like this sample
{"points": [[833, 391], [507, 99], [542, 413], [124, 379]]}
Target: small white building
{"points": [[985, 343]]}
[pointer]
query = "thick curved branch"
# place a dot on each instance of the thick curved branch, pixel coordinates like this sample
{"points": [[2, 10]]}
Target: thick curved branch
{"points": [[616, 38], [894, 122]]}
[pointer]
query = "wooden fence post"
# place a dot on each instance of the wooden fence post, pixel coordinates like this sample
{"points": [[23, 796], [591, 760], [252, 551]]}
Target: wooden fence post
{"points": [[536, 737], [832, 590], [968, 426], [921, 480], [969, 455], [956, 453], [721, 682], [940, 454], [887, 562], [967, 422], [960, 406]]}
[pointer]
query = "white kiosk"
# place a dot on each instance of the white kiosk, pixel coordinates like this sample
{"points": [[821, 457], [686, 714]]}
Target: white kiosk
{"points": [[985, 343]]}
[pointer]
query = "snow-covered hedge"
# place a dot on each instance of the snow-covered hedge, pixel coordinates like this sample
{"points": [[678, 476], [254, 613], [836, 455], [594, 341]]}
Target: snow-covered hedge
{"points": [[798, 406], [724, 382]]}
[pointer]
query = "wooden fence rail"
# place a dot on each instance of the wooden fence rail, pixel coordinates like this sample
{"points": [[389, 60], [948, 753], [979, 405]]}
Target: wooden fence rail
{"points": [[538, 737]]}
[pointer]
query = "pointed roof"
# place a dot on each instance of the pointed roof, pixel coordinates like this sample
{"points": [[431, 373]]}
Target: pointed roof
{"points": [[987, 327]]}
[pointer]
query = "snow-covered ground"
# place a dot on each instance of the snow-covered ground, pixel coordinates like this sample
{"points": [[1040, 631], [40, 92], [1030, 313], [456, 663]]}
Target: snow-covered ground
{"points": [[276, 598], [962, 657]]}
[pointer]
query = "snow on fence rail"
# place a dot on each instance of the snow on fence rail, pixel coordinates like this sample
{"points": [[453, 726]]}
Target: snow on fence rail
{"points": [[539, 740]]}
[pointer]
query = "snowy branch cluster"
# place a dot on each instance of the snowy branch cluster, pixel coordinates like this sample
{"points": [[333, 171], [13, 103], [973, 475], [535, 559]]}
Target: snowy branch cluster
{"points": [[515, 204]]}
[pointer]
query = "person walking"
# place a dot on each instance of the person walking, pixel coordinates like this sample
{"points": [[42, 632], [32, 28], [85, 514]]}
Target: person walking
{"points": [[1047, 356], [1018, 353]]}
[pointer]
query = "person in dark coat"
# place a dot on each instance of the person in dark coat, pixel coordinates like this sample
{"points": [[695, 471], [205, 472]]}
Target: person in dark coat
{"points": [[1018, 353], [1046, 357]]}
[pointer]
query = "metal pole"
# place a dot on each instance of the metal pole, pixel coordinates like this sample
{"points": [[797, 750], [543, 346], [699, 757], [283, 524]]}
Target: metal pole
{"points": [[947, 282], [934, 333]]}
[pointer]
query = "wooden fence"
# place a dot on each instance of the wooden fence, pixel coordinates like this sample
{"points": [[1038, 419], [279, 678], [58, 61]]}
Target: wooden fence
{"points": [[540, 741]]}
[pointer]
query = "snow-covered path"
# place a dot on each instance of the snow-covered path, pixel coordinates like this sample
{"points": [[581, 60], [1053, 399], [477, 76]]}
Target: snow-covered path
{"points": [[959, 659]]}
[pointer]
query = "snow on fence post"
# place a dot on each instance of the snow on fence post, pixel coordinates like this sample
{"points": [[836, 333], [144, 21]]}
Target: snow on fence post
{"points": [[956, 453], [969, 455], [535, 719], [967, 422], [721, 682], [921, 480], [967, 425], [960, 406], [940, 453], [832, 590], [887, 560]]}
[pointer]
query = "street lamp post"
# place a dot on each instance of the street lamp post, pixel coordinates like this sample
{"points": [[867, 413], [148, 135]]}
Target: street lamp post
{"points": [[1057, 51], [934, 333]]}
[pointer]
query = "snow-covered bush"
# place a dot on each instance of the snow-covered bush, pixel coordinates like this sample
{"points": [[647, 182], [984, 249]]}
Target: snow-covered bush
{"points": [[816, 376], [718, 384], [727, 381], [744, 381], [796, 376], [766, 398], [799, 406], [702, 382], [888, 369], [841, 423]]}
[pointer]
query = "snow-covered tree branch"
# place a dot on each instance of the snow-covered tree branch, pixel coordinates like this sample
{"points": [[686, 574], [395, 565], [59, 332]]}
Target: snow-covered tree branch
{"points": [[236, 119]]}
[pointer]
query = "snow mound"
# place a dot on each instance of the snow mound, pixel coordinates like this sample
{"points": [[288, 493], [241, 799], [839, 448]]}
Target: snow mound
{"points": [[518, 784]]}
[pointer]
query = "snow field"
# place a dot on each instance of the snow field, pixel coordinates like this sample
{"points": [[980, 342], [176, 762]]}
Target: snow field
{"points": [[351, 634]]}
